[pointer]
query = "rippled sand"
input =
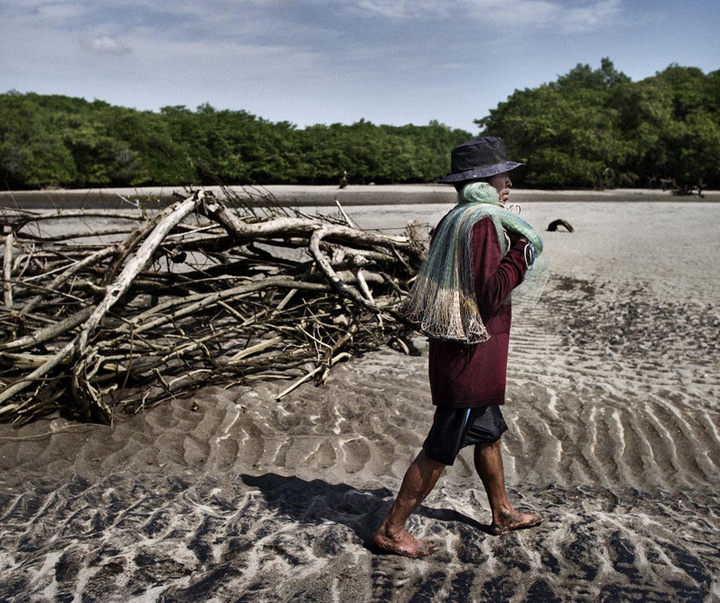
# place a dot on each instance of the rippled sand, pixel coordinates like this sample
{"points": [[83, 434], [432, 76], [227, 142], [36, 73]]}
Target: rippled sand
{"points": [[614, 414]]}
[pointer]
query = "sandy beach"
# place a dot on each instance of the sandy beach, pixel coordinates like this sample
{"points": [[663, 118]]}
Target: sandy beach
{"points": [[308, 196], [614, 414]]}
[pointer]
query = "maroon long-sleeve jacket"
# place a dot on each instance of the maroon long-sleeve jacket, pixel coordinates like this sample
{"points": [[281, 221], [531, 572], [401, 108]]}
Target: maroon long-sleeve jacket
{"points": [[465, 376]]}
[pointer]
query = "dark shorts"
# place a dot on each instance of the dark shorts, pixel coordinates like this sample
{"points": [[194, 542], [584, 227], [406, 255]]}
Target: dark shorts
{"points": [[455, 428]]}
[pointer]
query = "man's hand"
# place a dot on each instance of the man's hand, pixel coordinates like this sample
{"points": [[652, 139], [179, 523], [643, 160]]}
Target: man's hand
{"points": [[515, 237]]}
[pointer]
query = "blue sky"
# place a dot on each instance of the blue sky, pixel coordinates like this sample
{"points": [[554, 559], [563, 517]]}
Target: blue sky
{"points": [[339, 61]]}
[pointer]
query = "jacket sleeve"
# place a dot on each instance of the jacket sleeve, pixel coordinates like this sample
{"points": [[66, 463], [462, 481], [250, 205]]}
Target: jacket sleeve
{"points": [[495, 276]]}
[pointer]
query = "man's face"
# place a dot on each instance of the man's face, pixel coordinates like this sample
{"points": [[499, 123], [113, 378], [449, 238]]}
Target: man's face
{"points": [[500, 181], [502, 184]]}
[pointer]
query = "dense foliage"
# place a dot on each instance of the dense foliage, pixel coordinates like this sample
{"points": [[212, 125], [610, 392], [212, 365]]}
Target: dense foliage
{"points": [[589, 129], [50, 141], [596, 128]]}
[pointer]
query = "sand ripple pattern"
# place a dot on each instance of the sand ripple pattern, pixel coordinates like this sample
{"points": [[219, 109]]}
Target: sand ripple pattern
{"points": [[279, 538], [232, 496]]}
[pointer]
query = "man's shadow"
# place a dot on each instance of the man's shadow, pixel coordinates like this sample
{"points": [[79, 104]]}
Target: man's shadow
{"points": [[318, 501]]}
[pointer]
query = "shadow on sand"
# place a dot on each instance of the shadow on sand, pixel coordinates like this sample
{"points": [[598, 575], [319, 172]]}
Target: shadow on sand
{"points": [[318, 501]]}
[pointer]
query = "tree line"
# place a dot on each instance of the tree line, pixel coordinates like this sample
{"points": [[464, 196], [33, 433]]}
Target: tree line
{"points": [[57, 141], [598, 129], [592, 128]]}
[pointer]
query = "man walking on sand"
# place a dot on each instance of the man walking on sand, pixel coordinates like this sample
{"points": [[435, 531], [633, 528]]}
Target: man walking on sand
{"points": [[479, 255]]}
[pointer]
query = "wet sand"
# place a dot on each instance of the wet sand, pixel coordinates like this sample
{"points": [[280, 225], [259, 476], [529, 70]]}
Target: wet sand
{"points": [[304, 196], [614, 382]]}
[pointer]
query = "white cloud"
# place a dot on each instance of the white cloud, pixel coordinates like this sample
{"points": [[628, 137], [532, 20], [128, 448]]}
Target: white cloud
{"points": [[26, 5], [592, 17], [405, 9], [60, 10], [543, 14], [105, 45], [511, 14], [562, 15]]}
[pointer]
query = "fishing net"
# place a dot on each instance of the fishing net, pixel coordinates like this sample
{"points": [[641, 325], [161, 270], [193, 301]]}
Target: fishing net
{"points": [[442, 302]]}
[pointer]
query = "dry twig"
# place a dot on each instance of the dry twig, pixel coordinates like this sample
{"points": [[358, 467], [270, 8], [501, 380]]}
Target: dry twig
{"points": [[101, 322]]}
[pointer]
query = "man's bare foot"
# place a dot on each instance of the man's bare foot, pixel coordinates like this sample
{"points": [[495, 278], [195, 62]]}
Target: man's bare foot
{"points": [[403, 543], [515, 521]]}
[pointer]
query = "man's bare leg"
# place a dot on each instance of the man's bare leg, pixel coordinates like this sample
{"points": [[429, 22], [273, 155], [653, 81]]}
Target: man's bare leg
{"points": [[490, 468], [419, 480]]}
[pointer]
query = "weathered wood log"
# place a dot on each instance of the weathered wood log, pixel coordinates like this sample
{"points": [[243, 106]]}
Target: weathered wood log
{"points": [[84, 391], [197, 294], [7, 270], [48, 333]]}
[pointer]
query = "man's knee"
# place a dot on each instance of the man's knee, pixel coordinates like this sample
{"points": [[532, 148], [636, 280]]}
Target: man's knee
{"points": [[493, 444], [485, 448]]}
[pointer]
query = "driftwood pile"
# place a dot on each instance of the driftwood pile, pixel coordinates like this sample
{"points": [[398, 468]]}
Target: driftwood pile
{"points": [[201, 293]]}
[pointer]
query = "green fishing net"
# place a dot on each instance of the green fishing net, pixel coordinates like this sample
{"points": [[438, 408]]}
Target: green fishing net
{"points": [[442, 301]]}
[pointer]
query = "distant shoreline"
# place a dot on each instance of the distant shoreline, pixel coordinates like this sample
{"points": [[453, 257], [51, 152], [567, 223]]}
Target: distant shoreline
{"points": [[303, 196]]}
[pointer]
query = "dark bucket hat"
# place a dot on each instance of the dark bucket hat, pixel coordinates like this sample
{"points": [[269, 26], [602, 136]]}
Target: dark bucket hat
{"points": [[480, 157]]}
